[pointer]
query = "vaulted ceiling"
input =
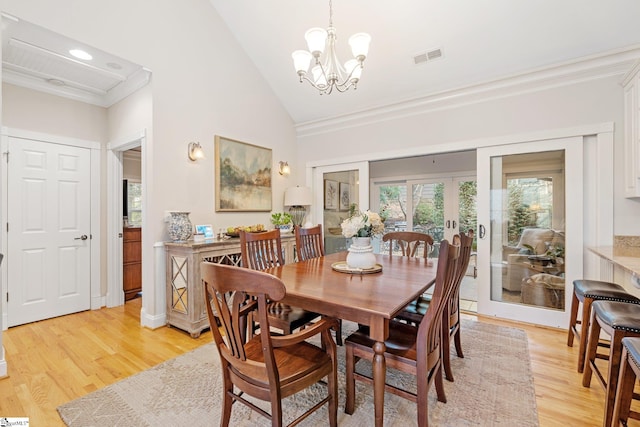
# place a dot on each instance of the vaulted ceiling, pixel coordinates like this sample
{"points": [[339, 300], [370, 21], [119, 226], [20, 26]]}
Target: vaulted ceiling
{"points": [[481, 42]]}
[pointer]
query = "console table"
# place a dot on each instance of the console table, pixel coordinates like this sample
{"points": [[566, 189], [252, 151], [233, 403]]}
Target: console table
{"points": [[185, 295]]}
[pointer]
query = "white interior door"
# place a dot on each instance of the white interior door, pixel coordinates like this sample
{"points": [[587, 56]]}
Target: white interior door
{"points": [[530, 229], [49, 234]]}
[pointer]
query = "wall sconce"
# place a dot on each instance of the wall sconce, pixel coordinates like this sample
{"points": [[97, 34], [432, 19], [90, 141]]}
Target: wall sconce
{"points": [[195, 151], [284, 170]]}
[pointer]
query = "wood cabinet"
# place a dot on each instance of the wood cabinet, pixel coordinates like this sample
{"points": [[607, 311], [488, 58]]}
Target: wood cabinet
{"points": [[185, 295], [131, 262], [632, 133]]}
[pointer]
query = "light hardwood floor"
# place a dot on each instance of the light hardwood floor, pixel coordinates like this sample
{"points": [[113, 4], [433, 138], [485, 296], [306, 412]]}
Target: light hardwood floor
{"points": [[57, 360]]}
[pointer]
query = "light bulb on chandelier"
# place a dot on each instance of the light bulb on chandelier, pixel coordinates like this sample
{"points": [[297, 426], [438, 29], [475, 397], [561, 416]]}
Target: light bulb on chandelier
{"points": [[327, 73]]}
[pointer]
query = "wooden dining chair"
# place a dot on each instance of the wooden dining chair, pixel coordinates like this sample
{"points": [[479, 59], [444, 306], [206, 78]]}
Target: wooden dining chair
{"points": [[309, 244], [266, 367], [260, 251], [416, 351], [409, 242], [414, 312]]}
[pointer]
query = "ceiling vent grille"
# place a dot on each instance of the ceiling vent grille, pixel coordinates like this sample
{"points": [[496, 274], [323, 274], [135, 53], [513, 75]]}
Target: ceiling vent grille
{"points": [[428, 56]]}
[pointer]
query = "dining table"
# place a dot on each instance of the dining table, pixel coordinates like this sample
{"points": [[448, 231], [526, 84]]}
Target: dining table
{"points": [[322, 285]]}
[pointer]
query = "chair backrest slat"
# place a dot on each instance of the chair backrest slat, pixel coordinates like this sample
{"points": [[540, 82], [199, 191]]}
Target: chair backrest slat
{"points": [[409, 242], [309, 242], [429, 330], [227, 289], [260, 251]]}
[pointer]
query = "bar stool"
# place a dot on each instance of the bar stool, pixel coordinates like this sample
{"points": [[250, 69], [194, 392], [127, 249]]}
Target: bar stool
{"points": [[619, 320], [629, 371], [586, 292]]}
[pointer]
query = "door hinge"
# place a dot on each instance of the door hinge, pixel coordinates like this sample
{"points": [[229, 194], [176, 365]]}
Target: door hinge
{"points": [[7, 296], [6, 155], [7, 227]]}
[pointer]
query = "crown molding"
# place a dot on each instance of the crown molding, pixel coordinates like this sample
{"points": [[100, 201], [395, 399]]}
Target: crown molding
{"points": [[615, 63]]}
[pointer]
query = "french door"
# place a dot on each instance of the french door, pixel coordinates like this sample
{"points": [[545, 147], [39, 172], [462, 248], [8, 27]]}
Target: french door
{"points": [[530, 216], [440, 207]]}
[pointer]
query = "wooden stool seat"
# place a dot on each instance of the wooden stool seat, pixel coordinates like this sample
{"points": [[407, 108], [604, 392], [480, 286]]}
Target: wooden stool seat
{"points": [[629, 373], [585, 292], [619, 320]]}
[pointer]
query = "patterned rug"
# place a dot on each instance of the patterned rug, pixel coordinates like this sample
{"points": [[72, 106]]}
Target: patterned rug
{"points": [[493, 387]]}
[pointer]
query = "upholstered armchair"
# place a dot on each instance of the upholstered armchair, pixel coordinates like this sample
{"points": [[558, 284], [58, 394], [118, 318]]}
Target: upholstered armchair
{"points": [[534, 241]]}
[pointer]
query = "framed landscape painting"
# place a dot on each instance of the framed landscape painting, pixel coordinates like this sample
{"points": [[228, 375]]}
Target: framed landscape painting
{"points": [[243, 176]]}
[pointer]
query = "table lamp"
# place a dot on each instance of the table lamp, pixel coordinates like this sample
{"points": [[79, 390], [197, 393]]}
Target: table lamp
{"points": [[297, 198]]}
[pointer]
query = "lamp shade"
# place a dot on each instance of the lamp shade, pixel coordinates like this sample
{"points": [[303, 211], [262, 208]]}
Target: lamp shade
{"points": [[298, 196]]}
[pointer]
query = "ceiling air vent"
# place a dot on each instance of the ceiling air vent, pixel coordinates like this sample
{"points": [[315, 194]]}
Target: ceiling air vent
{"points": [[428, 56]]}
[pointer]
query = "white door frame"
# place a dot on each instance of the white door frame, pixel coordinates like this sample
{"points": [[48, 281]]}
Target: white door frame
{"points": [[95, 241], [115, 150], [574, 231], [315, 179]]}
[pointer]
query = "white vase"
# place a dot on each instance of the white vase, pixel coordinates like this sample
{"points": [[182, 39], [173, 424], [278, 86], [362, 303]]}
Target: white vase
{"points": [[180, 227], [361, 253]]}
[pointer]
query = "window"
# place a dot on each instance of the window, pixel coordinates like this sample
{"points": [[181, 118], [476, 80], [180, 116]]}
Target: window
{"points": [[134, 203]]}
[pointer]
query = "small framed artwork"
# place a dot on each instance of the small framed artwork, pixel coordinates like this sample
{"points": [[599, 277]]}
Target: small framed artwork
{"points": [[345, 196], [206, 229], [330, 194], [242, 176]]}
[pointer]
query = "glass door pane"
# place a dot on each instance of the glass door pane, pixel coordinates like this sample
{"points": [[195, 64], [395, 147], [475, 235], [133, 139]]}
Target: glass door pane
{"points": [[428, 211], [524, 214]]}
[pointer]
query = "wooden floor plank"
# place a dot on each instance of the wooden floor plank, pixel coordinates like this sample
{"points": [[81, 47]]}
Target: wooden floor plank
{"points": [[57, 360]]}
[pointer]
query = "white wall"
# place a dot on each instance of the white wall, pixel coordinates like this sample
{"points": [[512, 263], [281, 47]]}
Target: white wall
{"points": [[579, 104], [202, 85], [40, 112]]}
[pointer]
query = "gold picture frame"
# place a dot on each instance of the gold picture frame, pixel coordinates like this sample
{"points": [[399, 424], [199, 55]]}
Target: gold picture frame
{"points": [[243, 176]]}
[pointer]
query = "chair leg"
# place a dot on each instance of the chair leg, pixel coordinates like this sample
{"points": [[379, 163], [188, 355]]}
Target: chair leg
{"points": [[458, 342], [615, 356], [339, 333], [332, 385], [624, 394], [592, 348], [446, 346], [573, 319], [227, 402], [584, 333], [422, 400], [442, 397], [350, 363]]}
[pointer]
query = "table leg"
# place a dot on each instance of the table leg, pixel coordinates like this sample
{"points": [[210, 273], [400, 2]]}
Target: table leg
{"points": [[379, 378]]}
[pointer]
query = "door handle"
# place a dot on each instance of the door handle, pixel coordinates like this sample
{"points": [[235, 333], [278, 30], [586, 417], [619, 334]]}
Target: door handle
{"points": [[448, 224], [83, 237], [481, 231], [454, 224]]}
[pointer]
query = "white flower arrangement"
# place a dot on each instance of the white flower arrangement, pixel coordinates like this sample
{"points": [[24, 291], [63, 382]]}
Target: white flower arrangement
{"points": [[362, 224]]}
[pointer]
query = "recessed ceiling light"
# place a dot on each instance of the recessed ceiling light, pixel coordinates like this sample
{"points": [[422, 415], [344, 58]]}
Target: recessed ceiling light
{"points": [[81, 54]]}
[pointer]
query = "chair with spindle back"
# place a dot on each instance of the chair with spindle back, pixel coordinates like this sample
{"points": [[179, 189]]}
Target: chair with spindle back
{"points": [[309, 244], [260, 251], [409, 242], [266, 366], [416, 351], [413, 312]]}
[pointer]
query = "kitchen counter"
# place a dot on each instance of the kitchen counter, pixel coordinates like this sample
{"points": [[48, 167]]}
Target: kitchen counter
{"points": [[627, 257]]}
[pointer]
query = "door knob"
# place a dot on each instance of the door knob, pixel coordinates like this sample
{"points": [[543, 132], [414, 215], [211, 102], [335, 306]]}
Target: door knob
{"points": [[83, 237]]}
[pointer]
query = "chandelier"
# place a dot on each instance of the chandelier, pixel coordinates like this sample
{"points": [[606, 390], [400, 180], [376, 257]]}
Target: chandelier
{"points": [[328, 73]]}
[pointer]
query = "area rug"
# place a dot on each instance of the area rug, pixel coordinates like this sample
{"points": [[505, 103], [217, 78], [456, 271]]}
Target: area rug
{"points": [[493, 387]]}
